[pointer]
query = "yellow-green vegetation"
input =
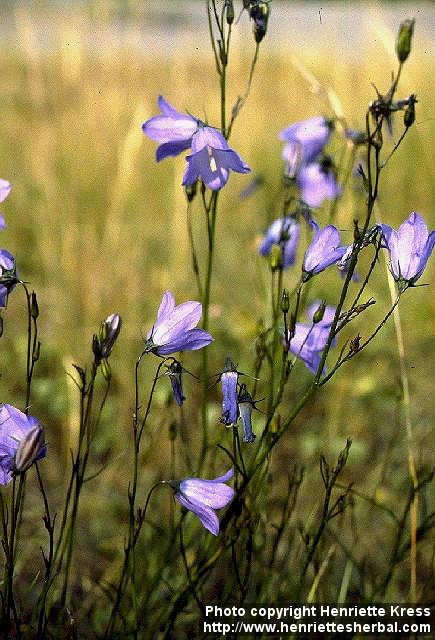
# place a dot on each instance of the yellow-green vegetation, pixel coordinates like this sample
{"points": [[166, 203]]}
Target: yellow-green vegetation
{"points": [[97, 226]]}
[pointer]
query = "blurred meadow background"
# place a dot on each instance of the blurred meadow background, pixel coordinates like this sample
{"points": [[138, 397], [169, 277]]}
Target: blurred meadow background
{"points": [[98, 227]]}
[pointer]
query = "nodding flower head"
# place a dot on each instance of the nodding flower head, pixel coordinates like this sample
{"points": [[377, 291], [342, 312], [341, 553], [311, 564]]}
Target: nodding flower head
{"points": [[309, 340], [174, 130], [410, 248], [323, 251], [246, 404], [305, 141], [284, 233], [175, 328], [229, 380], [21, 442], [8, 275], [211, 158], [174, 372], [317, 183], [202, 497]]}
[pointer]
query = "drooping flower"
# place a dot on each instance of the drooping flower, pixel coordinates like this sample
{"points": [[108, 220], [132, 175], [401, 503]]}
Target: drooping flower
{"points": [[305, 141], [174, 130], [323, 251], [174, 372], [309, 340], [246, 404], [202, 497], [8, 275], [317, 183], [410, 248], [229, 379], [5, 188], [21, 442], [285, 233], [211, 159], [174, 329]]}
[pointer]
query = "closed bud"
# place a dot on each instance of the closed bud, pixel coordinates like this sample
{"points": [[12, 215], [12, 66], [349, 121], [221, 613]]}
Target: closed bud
{"points": [[190, 191], [409, 115], [230, 11], [34, 309], [30, 448], [109, 331], [404, 39], [285, 301], [259, 13], [319, 313]]}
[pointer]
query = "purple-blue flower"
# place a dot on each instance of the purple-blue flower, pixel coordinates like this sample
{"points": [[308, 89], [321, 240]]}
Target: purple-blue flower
{"points": [[174, 372], [309, 340], [211, 159], [410, 248], [317, 183], [285, 233], [323, 251], [21, 442], [305, 141], [202, 497], [174, 329], [246, 404], [229, 379], [174, 130], [8, 275], [5, 188]]}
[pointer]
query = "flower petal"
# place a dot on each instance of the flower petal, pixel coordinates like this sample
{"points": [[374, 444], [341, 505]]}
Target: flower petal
{"points": [[5, 188], [210, 493], [188, 341], [208, 518], [171, 149]]}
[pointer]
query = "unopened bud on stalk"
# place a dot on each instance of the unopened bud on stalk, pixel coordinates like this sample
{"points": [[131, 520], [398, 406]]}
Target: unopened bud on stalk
{"points": [[409, 115], [259, 13], [404, 39], [319, 313], [190, 190], [34, 309], [285, 301], [107, 336], [230, 11], [29, 448]]}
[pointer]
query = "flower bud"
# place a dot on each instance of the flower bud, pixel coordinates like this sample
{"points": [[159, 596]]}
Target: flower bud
{"points": [[259, 13], [109, 331], [319, 313], [285, 301], [190, 191], [404, 39], [409, 115], [230, 11], [34, 309], [29, 449]]}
